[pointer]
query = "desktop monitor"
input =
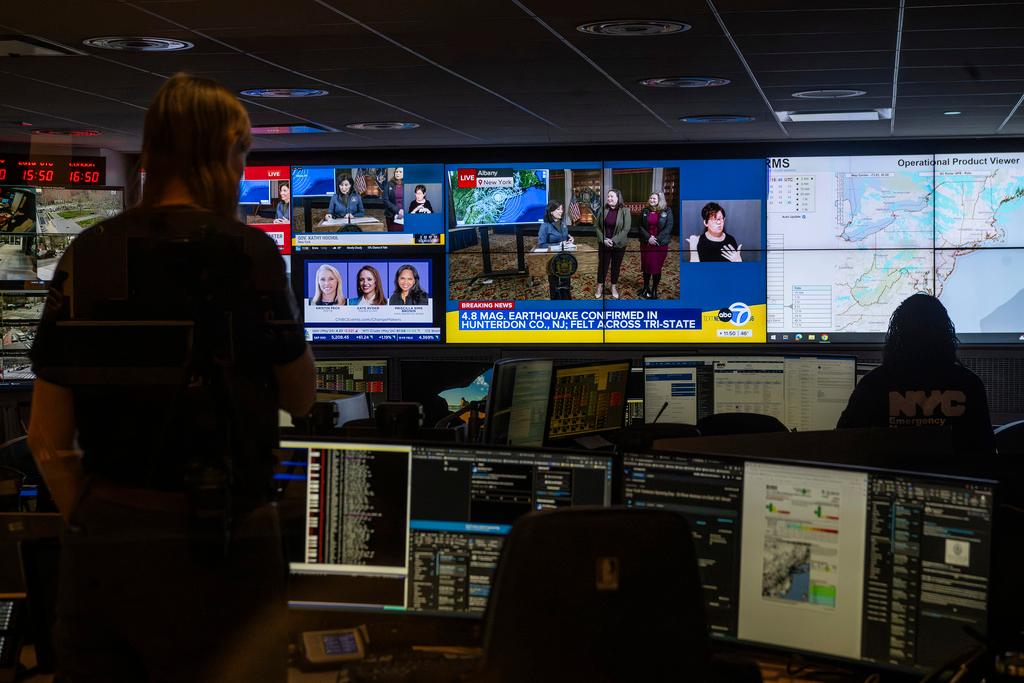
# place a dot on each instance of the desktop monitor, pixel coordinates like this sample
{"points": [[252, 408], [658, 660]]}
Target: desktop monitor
{"points": [[587, 400], [444, 387], [805, 393], [419, 528], [369, 376], [883, 567], [517, 404]]}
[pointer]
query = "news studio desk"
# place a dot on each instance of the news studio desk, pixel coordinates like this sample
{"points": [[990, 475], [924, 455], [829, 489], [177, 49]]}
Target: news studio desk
{"points": [[357, 225], [586, 260]]}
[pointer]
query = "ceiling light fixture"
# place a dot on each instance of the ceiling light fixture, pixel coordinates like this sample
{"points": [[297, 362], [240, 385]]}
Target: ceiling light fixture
{"points": [[73, 132], [834, 116], [283, 92], [685, 82], [951, 113], [383, 125], [718, 118], [834, 94], [633, 27], [138, 44]]}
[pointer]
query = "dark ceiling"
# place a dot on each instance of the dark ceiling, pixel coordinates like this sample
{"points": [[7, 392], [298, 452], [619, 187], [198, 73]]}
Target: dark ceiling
{"points": [[517, 72]]}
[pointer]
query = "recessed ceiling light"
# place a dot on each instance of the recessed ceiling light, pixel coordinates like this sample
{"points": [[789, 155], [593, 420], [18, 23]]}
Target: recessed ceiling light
{"points": [[138, 43], [951, 113], [633, 27], [685, 82], [718, 118], [383, 125], [835, 94], [73, 132], [810, 116], [283, 92]]}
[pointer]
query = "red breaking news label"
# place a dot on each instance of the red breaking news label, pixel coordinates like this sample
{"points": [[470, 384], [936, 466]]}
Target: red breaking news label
{"points": [[487, 305], [268, 173]]}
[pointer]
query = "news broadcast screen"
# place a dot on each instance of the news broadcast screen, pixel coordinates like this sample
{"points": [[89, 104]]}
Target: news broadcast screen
{"points": [[619, 252], [337, 207], [371, 297], [852, 237], [265, 202]]}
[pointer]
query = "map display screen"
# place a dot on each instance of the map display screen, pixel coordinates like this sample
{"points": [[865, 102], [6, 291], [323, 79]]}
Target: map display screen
{"points": [[849, 238]]}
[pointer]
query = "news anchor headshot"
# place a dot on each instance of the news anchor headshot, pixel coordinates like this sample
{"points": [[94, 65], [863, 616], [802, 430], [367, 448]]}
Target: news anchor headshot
{"points": [[283, 212], [407, 288], [393, 193], [715, 244], [371, 292], [655, 234], [611, 225], [328, 287], [420, 203], [346, 202], [553, 232]]}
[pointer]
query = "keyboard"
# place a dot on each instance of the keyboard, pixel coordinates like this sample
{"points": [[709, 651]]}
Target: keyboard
{"points": [[410, 666]]}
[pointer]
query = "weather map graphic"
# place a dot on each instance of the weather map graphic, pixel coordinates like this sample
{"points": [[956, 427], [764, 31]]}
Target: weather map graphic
{"points": [[490, 196]]}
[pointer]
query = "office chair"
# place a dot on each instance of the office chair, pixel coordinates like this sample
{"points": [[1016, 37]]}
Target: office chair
{"points": [[597, 594], [1010, 438], [723, 424]]}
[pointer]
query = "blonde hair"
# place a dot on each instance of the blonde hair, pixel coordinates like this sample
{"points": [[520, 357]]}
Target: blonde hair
{"points": [[339, 292], [194, 129], [662, 204]]}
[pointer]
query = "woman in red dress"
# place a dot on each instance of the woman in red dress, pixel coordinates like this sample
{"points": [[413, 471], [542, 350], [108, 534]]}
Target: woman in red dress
{"points": [[655, 234]]}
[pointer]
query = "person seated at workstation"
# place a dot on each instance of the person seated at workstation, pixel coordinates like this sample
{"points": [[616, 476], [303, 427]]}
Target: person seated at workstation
{"points": [[420, 203], [345, 203], [921, 381]]}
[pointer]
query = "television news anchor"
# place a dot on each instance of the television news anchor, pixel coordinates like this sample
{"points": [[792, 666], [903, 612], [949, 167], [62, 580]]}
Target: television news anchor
{"points": [[553, 232], [150, 587], [611, 225], [346, 202], [655, 234]]}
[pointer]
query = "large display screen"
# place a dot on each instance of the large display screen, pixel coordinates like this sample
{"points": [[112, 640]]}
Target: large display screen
{"points": [[336, 207], [615, 252], [265, 202], [849, 238]]}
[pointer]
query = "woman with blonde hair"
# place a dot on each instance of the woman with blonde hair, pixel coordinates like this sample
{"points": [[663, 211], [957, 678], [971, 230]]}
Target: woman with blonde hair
{"points": [[655, 234], [171, 562], [329, 290], [611, 225]]}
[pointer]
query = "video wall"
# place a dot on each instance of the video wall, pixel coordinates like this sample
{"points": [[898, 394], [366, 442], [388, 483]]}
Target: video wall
{"points": [[793, 250]]}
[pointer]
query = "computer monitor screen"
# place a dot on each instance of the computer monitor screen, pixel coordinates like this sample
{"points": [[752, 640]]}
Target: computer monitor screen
{"points": [[803, 392], [63, 214], [354, 374], [587, 399], [420, 528], [517, 404], [20, 312], [444, 387], [884, 567], [265, 203]]}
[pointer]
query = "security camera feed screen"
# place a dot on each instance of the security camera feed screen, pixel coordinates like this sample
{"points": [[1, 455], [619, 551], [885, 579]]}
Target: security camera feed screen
{"points": [[337, 207], [66, 211], [852, 237], [637, 251]]}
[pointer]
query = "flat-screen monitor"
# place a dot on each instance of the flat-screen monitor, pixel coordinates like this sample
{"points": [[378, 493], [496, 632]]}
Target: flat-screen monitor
{"points": [[883, 567], [851, 237], [586, 400], [346, 205], [805, 393], [444, 387], [20, 313], [517, 404], [265, 202], [513, 280], [369, 376], [419, 529]]}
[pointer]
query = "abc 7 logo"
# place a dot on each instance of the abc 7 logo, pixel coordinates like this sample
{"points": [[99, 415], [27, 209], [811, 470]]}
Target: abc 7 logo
{"points": [[738, 314]]}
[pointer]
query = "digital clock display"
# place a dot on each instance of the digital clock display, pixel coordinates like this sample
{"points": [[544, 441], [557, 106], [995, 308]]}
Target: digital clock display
{"points": [[47, 170]]}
